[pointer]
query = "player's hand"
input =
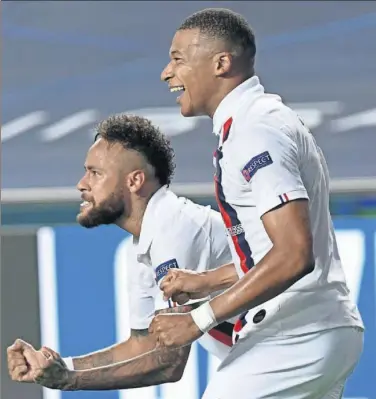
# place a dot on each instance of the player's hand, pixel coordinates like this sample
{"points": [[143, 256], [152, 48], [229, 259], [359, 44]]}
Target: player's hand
{"points": [[50, 369], [174, 330], [44, 366], [18, 367], [183, 285]]}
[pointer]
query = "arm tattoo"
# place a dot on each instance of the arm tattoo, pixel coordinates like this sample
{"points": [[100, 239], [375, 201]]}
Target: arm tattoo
{"points": [[157, 366], [96, 359], [108, 356]]}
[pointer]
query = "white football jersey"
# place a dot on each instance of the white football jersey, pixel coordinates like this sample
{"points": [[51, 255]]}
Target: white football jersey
{"points": [[265, 158], [175, 233]]}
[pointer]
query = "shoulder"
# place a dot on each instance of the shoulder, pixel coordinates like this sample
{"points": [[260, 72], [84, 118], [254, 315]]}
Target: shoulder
{"points": [[181, 214], [267, 117], [181, 230]]}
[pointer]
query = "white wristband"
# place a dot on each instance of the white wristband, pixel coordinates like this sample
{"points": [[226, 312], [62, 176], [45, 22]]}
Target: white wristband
{"points": [[204, 317], [69, 362]]}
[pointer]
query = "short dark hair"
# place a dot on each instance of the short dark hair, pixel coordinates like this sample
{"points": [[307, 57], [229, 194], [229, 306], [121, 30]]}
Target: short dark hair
{"points": [[139, 134], [226, 25]]}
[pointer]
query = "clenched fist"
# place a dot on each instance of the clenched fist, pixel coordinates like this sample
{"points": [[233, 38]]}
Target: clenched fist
{"points": [[182, 285], [44, 366], [18, 367], [174, 330]]}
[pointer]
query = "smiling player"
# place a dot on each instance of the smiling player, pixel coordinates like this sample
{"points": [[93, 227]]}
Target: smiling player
{"points": [[299, 336]]}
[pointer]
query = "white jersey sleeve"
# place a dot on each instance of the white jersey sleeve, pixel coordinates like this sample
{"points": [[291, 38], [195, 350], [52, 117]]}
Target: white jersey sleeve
{"points": [[273, 168], [186, 246], [141, 289]]}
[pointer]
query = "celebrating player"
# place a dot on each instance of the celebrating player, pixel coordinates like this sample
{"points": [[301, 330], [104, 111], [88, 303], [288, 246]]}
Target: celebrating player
{"points": [[299, 335], [127, 173]]}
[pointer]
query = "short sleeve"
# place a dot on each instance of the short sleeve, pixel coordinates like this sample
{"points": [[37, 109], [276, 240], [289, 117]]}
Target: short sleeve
{"points": [[185, 245], [272, 169], [141, 290]]}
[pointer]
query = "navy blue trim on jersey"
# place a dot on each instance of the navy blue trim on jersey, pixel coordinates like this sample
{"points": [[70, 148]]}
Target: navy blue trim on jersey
{"points": [[229, 214]]}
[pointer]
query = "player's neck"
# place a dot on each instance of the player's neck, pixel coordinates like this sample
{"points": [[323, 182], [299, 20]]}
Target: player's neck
{"points": [[132, 222], [227, 87]]}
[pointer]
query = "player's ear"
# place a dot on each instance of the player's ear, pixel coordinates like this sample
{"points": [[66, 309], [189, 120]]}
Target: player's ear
{"points": [[222, 63], [135, 180]]}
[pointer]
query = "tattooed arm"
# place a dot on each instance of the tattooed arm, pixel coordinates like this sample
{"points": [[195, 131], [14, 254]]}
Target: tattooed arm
{"points": [[156, 366], [139, 342]]}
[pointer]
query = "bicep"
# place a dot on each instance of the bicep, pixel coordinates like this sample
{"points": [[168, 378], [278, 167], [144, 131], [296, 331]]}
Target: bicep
{"points": [[288, 227], [280, 196]]}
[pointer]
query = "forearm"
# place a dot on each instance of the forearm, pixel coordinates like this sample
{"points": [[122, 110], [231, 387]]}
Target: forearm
{"points": [[156, 367], [152, 366], [138, 343], [275, 273], [221, 278], [100, 358]]}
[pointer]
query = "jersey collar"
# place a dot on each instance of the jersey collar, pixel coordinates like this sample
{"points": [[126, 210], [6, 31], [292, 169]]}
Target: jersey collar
{"points": [[230, 103], [150, 219]]}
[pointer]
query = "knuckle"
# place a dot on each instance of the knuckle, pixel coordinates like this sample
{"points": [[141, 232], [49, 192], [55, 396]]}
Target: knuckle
{"points": [[174, 275], [13, 364], [16, 374], [18, 370]]}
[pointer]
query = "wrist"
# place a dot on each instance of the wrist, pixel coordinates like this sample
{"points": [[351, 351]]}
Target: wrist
{"points": [[71, 375], [71, 381], [222, 278], [204, 317]]}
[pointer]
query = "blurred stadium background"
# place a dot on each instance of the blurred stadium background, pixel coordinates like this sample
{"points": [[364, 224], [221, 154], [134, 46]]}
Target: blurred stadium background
{"points": [[66, 65]]}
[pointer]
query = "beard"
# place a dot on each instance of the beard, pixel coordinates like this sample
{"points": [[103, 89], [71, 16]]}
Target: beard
{"points": [[107, 212]]}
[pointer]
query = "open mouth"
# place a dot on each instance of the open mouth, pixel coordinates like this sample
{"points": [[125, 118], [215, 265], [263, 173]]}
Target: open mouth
{"points": [[175, 89], [85, 204]]}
